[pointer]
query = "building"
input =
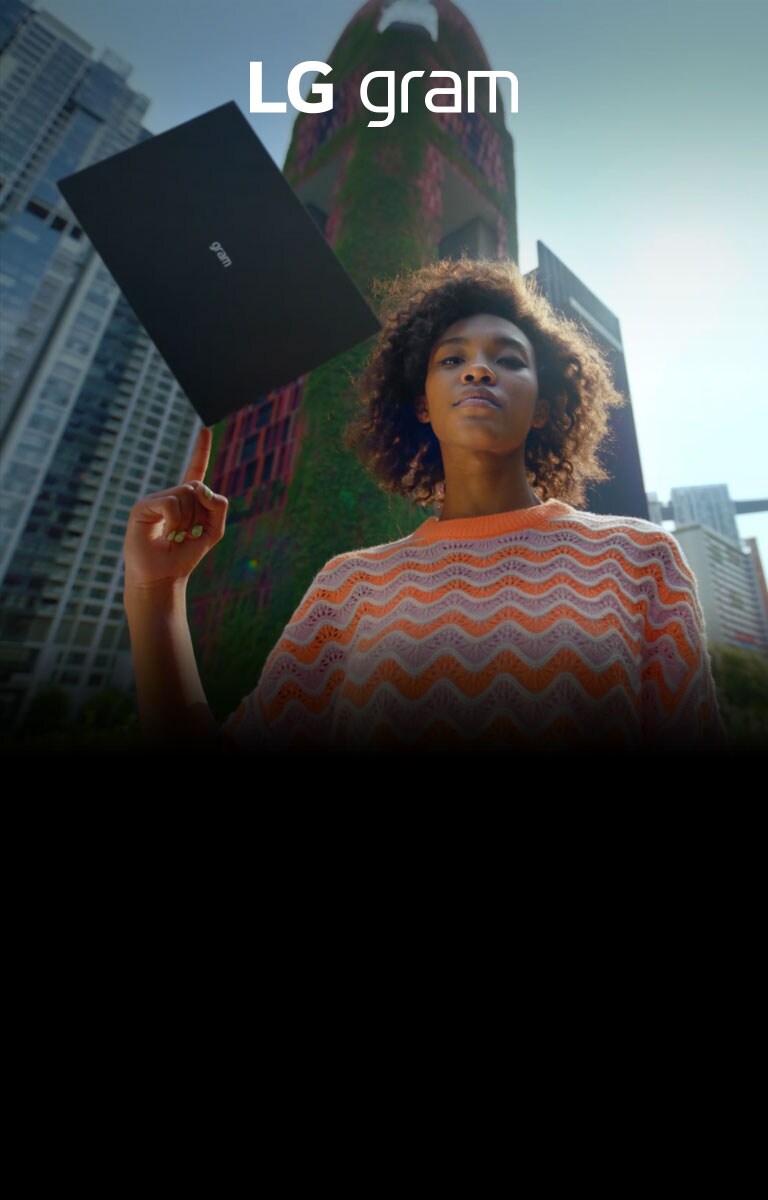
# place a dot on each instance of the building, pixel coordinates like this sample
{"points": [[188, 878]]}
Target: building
{"points": [[624, 491], [655, 509], [728, 570], [91, 418], [710, 505], [761, 587], [727, 579], [428, 185]]}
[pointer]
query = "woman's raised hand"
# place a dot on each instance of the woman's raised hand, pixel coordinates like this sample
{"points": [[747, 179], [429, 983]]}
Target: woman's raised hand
{"points": [[170, 532]]}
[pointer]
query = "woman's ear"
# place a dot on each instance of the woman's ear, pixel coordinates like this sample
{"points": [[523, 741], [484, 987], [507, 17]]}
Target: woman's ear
{"points": [[422, 412]]}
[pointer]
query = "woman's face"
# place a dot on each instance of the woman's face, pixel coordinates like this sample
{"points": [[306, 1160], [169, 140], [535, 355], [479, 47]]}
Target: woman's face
{"points": [[481, 389]]}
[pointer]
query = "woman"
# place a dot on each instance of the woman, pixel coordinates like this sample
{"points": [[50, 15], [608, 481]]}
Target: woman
{"points": [[510, 619]]}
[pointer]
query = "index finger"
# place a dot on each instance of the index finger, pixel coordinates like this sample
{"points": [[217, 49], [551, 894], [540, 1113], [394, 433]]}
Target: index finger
{"points": [[198, 464]]}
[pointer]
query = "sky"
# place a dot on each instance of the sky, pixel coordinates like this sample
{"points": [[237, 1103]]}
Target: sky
{"points": [[640, 157]]}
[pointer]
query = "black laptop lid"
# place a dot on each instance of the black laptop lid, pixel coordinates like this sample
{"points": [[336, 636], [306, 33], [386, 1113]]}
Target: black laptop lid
{"points": [[221, 262]]}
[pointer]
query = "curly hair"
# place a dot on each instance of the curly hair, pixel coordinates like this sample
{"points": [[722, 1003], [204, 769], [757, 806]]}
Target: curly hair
{"points": [[575, 380]]}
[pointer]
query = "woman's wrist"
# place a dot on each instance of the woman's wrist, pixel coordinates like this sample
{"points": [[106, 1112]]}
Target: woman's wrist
{"points": [[162, 596]]}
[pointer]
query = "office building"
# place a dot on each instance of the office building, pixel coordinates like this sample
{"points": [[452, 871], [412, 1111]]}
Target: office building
{"points": [[710, 505], [761, 587], [655, 509], [623, 492], [727, 579], [91, 418]]}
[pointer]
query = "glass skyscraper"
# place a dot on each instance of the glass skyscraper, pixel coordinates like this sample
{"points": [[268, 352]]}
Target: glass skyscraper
{"points": [[90, 416], [708, 505]]}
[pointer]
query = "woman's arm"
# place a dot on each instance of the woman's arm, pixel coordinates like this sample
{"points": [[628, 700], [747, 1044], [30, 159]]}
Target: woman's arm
{"points": [[172, 704], [168, 534]]}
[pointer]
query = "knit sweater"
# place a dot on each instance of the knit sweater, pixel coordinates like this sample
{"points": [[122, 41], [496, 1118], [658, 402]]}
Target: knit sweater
{"points": [[545, 626]]}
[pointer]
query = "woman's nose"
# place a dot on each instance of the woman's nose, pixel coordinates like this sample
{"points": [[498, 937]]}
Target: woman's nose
{"points": [[478, 372]]}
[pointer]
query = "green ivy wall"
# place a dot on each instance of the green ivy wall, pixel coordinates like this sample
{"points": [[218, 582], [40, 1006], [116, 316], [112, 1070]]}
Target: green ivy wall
{"points": [[379, 227]]}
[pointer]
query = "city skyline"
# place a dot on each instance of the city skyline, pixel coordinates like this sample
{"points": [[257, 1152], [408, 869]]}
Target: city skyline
{"points": [[635, 162]]}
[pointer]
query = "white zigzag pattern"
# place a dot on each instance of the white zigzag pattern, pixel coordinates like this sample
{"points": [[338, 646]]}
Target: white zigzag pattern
{"points": [[476, 655], [458, 563], [439, 559], [343, 616], [447, 704]]}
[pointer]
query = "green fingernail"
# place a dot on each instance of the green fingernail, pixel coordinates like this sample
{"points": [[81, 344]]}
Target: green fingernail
{"points": [[207, 491], [171, 536], [180, 536], [195, 531]]}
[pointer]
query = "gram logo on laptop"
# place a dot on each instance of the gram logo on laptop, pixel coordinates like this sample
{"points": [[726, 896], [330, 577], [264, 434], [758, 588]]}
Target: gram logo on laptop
{"points": [[221, 253]]}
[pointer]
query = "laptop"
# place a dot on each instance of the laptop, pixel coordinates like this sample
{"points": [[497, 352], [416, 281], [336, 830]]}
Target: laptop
{"points": [[222, 264]]}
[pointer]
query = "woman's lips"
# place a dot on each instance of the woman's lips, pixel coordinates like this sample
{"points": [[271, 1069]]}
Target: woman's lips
{"points": [[477, 402]]}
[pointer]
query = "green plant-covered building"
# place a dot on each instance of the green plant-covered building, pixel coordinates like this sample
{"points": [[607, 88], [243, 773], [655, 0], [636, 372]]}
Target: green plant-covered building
{"points": [[388, 198]]}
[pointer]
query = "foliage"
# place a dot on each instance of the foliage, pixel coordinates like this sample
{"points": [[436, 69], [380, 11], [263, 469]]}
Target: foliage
{"points": [[47, 713], [109, 709], [107, 722], [741, 677], [245, 638]]}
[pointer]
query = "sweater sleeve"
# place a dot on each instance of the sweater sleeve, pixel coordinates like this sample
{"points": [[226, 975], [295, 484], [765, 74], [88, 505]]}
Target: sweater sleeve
{"points": [[293, 702], [678, 690]]}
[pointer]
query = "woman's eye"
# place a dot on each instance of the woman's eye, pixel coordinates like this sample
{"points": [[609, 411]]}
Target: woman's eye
{"points": [[508, 360]]}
